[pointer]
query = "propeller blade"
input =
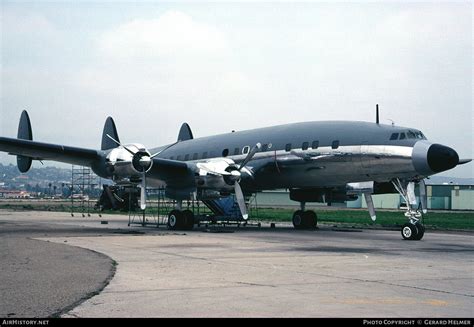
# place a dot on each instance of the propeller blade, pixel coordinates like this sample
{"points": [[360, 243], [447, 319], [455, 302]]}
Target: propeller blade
{"points": [[370, 206], [166, 148], [143, 192], [250, 155], [423, 197], [241, 201], [118, 143]]}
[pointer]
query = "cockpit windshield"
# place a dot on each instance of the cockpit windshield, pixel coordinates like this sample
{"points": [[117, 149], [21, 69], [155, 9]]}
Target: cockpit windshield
{"points": [[410, 134]]}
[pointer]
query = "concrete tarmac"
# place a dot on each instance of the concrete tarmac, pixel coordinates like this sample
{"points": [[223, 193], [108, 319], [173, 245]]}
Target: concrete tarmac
{"points": [[45, 279], [281, 272]]}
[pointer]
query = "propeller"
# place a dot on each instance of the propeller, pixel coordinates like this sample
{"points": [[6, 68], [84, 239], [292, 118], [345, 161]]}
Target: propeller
{"points": [[236, 175], [141, 161]]}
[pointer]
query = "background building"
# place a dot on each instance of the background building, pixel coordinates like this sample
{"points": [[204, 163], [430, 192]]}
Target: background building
{"points": [[444, 193]]}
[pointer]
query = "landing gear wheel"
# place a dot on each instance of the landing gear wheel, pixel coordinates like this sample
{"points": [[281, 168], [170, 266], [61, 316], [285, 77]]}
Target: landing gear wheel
{"points": [[188, 216], [421, 231], [298, 219], [409, 231], [175, 220], [310, 219]]}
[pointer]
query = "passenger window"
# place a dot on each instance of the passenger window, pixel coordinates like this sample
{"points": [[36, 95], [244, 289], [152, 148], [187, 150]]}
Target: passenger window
{"points": [[179, 158], [186, 157], [315, 145], [246, 149], [288, 147], [195, 156], [225, 152], [236, 151], [335, 144], [305, 146], [264, 148], [402, 136], [394, 137], [204, 155], [171, 158]]}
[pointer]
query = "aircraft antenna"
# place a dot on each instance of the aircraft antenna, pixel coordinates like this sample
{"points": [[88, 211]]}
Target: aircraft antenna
{"points": [[377, 113]]}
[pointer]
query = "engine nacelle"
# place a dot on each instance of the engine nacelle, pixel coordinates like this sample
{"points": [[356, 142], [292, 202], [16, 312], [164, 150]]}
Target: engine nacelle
{"points": [[121, 163], [217, 174]]}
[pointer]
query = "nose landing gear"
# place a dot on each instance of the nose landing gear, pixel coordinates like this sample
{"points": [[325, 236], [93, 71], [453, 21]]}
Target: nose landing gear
{"points": [[413, 229]]}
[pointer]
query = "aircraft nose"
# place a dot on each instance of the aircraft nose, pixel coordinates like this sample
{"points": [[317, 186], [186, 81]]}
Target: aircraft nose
{"points": [[441, 158], [429, 158]]}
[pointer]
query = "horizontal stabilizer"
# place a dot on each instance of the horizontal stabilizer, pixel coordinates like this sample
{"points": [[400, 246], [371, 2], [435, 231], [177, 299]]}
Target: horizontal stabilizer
{"points": [[24, 133], [110, 129], [185, 133]]}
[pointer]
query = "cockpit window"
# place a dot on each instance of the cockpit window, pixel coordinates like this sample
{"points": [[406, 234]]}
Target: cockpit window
{"points": [[419, 135], [402, 136], [394, 137], [411, 135]]}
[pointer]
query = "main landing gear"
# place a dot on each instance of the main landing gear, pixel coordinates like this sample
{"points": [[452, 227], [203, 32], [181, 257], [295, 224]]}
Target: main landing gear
{"points": [[180, 219], [413, 229], [305, 219]]}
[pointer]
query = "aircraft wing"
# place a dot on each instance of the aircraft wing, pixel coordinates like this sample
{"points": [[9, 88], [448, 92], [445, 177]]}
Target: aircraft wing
{"points": [[46, 151], [176, 174]]}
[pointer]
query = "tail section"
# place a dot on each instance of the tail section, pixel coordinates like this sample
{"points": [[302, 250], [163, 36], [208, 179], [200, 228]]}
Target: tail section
{"points": [[185, 133], [109, 128], [24, 133]]}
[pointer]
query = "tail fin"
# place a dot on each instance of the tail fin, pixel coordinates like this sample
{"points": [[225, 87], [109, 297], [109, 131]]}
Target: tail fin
{"points": [[24, 133], [109, 128], [185, 133]]}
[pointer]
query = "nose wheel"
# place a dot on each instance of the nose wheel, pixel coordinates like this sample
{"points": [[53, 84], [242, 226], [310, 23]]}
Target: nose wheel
{"points": [[413, 232]]}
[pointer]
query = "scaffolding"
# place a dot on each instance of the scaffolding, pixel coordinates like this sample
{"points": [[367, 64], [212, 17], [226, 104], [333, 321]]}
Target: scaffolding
{"points": [[83, 184], [157, 209]]}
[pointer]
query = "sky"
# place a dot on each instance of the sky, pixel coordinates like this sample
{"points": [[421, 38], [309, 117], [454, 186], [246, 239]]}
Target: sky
{"points": [[234, 66]]}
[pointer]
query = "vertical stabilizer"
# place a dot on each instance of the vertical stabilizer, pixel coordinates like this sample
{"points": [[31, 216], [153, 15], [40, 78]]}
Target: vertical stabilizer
{"points": [[109, 128], [185, 133], [24, 133]]}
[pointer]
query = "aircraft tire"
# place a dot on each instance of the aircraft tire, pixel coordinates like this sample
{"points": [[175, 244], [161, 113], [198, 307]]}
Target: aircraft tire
{"points": [[188, 216], [310, 219], [409, 231], [421, 231], [298, 219], [175, 220]]}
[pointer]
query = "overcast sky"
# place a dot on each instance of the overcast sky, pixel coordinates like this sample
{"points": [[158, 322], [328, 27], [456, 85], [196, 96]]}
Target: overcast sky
{"points": [[234, 66]]}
